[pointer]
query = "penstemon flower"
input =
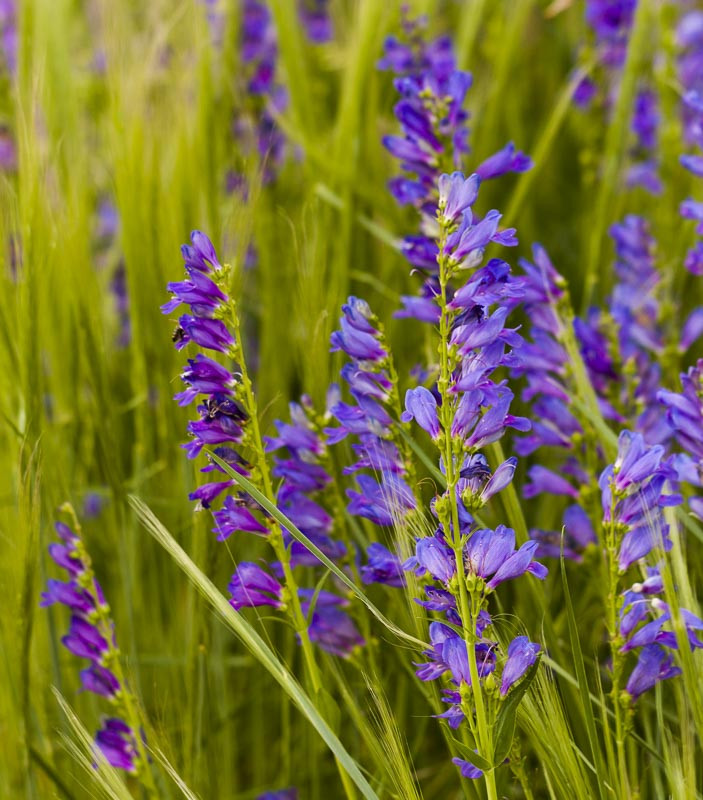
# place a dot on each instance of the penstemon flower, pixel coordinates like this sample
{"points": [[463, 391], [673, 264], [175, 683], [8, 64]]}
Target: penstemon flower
{"points": [[91, 637], [256, 129], [634, 494], [370, 376], [228, 427], [645, 625], [466, 563], [315, 16], [434, 141]]}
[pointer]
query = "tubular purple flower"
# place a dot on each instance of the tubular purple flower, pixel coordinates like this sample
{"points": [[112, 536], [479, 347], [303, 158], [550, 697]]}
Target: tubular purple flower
{"points": [[251, 587], [100, 680], [211, 334], [501, 478], [456, 194], [544, 480], [518, 564], [84, 640], [436, 557], [233, 517], [383, 567], [654, 665], [522, 654], [116, 742], [421, 405], [506, 160]]}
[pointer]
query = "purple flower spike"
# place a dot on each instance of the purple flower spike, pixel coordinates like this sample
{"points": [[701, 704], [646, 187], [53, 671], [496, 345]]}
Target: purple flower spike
{"points": [[251, 587], [522, 654], [421, 405]]}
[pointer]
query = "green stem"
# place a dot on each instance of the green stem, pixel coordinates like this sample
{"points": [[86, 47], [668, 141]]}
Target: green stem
{"points": [[298, 619], [615, 644], [125, 703], [466, 609]]}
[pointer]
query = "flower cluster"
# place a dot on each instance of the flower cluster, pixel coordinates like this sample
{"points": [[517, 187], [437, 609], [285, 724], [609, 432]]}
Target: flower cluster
{"points": [[611, 23], [227, 423], [434, 140], [634, 494], [690, 35], [257, 130], [369, 376], [466, 412], [222, 419], [645, 624], [91, 636], [684, 413]]}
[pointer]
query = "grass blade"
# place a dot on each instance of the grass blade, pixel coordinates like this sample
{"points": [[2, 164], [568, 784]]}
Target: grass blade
{"points": [[253, 642]]}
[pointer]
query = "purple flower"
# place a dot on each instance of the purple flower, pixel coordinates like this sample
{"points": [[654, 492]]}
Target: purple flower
{"points": [[212, 334], [69, 594], [544, 480], [333, 630], [456, 194], [522, 654], [506, 160], [435, 556], [492, 555], [467, 769], [204, 376], [116, 742], [234, 516], [100, 680], [383, 567], [84, 640], [654, 665], [383, 503], [421, 405], [251, 587]]}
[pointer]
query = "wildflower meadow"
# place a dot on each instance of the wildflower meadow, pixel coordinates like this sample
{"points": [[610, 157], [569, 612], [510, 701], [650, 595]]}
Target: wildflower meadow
{"points": [[351, 399]]}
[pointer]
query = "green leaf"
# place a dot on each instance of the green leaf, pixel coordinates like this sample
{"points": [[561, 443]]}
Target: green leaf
{"points": [[505, 724], [470, 755]]}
